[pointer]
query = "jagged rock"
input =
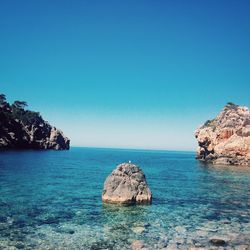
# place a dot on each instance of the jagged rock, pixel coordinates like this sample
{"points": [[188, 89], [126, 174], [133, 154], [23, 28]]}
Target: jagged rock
{"points": [[57, 139], [226, 139], [38, 137], [126, 185], [25, 129]]}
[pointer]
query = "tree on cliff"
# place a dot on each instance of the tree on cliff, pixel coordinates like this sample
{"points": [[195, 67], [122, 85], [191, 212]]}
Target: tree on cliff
{"points": [[18, 111], [23, 128], [20, 104], [2, 100], [26, 116]]}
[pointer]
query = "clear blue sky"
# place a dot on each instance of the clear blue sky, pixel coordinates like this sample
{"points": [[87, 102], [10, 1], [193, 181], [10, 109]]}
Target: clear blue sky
{"points": [[138, 74]]}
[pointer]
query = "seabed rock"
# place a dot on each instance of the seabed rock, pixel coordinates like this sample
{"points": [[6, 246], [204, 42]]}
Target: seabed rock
{"points": [[217, 242], [137, 245], [126, 185]]}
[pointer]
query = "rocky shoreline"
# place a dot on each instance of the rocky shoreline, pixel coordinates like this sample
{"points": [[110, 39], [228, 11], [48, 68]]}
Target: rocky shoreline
{"points": [[225, 140], [24, 129]]}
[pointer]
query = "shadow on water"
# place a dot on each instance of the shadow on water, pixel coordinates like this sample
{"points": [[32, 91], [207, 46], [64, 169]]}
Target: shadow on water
{"points": [[120, 216], [223, 168]]}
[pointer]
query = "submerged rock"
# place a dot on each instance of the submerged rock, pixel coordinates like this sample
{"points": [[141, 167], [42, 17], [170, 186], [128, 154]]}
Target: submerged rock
{"points": [[217, 242], [20, 245], [225, 140], [126, 185], [137, 245]]}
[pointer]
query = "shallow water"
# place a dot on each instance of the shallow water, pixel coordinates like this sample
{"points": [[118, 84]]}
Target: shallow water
{"points": [[52, 200]]}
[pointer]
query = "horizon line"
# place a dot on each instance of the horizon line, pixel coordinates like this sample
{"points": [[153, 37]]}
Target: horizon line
{"points": [[127, 148]]}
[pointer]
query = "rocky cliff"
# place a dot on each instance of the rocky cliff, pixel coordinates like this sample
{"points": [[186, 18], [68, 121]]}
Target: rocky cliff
{"points": [[25, 129], [226, 139]]}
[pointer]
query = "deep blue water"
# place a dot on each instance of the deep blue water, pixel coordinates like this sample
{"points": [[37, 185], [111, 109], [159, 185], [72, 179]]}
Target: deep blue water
{"points": [[52, 200]]}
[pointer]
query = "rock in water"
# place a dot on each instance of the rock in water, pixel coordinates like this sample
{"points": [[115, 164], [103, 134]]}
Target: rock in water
{"points": [[226, 139], [217, 242], [25, 129], [126, 185]]}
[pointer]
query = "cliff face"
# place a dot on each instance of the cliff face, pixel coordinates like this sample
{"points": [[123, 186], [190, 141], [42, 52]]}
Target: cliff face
{"points": [[226, 139], [24, 129]]}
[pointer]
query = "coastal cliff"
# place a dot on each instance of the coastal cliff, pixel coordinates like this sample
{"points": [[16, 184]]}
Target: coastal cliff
{"points": [[225, 140], [24, 129]]}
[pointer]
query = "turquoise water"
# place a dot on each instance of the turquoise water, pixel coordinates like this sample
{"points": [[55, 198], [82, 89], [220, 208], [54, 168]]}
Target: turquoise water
{"points": [[52, 200]]}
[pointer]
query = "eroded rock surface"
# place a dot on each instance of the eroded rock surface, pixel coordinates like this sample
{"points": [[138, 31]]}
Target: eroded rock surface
{"points": [[25, 129], [126, 185], [226, 139]]}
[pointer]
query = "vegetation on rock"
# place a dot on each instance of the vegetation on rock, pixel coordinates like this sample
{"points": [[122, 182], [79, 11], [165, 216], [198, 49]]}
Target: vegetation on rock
{"points": [[226, 138], [23, 128]]}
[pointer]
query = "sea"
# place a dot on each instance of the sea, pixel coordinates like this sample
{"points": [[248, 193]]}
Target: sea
{"points": [[52, 200]]}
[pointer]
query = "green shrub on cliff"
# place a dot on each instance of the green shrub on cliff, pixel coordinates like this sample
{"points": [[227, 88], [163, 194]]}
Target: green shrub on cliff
{"points": [[231, 105], [18, 111]]}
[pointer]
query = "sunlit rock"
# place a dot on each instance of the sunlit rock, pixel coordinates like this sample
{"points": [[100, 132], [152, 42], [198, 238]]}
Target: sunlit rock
{"points": [[226, 139], [126, 185]]}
